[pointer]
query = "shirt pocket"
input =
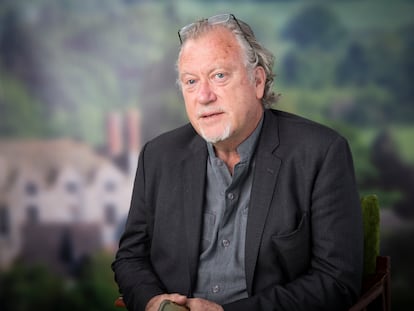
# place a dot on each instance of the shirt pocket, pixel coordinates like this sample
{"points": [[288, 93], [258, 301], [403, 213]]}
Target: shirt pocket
{"points": [[293, 249]]}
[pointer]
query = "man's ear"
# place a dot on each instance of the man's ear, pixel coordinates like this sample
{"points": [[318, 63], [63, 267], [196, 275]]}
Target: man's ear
{"points": [[260, 81]]}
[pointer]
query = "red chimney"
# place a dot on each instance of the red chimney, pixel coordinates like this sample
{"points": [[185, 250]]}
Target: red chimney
{"points": [[133, 130], [114, 134]]}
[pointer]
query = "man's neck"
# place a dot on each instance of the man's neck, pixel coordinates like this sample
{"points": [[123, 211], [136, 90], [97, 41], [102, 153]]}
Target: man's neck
{"points": [[229, 157], [228, 150]]}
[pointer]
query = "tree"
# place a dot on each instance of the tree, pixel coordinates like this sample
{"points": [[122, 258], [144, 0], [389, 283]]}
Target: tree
{"points": [[403, 89], [20, 115], [290, 68], [354, 68], [36, 288], [94, 288], [315, 26], [30, 288]]}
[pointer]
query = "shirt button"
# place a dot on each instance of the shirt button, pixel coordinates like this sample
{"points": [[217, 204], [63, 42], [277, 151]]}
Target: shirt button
{"points": [[226, 243], [230, 196], [215, 289]]}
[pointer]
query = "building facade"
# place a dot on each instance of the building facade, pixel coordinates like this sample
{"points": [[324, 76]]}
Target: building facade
{"points": [[62, 195]]}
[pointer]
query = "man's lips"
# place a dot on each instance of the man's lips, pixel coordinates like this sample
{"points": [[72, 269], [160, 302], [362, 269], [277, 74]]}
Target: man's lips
{"points": [[210, 115]]}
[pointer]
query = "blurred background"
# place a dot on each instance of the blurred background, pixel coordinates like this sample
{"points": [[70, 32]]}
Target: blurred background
{"points": [[83, 84]]}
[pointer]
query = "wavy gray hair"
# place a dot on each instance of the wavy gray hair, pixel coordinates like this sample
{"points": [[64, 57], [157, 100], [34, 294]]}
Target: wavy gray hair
{"points": [[255, 53]]}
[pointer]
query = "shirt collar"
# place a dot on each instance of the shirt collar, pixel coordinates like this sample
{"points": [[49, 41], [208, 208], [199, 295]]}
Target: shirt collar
{"points": [[246, 148]]}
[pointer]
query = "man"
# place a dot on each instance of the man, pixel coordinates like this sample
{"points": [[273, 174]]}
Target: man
{"points": [[245, 208]]}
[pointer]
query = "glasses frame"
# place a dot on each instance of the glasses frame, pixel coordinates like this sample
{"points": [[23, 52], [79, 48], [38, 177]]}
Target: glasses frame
{"points": [[216, 20]]}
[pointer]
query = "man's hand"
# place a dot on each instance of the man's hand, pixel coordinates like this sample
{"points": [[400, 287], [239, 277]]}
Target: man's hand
{"points": [[198, 304], [154, 303], [195, 304]]}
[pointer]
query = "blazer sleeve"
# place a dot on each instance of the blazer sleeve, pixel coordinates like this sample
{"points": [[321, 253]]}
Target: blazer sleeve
{"points": [[333, 278], [133, 270]]}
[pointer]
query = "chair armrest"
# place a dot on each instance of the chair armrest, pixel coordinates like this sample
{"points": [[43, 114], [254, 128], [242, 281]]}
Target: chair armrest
{"points": [[376, 285]]}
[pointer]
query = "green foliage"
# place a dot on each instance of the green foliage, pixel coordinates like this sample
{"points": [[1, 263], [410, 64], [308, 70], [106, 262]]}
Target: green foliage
{"points": [[36, 288], [371, 219], [91, 57], [375, 61], [20, 115], [403, 136], [94, 288], [354, 68], [360, 141], [80, 60], [361, 107], [30, 288], [315, 25]]}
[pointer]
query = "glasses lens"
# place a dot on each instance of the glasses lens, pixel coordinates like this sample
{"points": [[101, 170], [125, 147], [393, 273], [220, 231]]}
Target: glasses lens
{"points": [[219, 19]]}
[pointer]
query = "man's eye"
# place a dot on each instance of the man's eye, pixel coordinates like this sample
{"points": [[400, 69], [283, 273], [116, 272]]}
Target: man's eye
{"points": [[191, 81], [220, 75]]}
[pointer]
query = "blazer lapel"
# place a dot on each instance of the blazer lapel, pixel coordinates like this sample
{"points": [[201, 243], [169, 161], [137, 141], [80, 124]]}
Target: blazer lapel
{"points": [[264, 182], [194, 175]]}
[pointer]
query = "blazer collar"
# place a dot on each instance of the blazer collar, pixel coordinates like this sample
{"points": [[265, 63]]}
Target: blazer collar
{"points": [[269, 138]]}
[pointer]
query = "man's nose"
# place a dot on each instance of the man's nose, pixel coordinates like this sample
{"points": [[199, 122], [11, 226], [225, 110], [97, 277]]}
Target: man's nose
{"points": [[205, 93]]}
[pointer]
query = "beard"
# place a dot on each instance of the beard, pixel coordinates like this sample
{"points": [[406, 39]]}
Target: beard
{"points": [[217, 137]]}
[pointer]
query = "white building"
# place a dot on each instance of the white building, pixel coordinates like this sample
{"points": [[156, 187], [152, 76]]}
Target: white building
{"points": [[54, 186]]}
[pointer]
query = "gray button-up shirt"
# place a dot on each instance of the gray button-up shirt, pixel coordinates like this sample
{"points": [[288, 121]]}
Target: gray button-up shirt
{"points": [[221, 272]]}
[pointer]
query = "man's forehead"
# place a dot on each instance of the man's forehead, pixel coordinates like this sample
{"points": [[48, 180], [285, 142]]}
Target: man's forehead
{"points": [[216, 41], [216, 34]]}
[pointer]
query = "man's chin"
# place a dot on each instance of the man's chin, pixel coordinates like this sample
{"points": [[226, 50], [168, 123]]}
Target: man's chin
{"points": [[215, 139]]}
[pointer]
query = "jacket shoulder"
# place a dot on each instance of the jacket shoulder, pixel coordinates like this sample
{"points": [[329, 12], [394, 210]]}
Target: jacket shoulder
{"points": [[183, 138], [304, 129]]}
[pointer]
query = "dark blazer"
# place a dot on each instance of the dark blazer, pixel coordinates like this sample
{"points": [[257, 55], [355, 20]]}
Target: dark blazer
{"points": [[304, 239]]}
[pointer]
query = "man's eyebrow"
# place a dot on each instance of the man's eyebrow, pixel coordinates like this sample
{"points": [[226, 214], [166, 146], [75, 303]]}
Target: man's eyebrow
{"points": [[186, 73]]}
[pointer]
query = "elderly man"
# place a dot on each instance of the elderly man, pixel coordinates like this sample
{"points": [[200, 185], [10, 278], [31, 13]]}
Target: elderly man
{"points": [[246, 207]]}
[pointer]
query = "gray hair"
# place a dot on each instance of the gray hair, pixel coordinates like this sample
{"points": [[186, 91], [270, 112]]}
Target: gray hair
{"points": [[255, 54]]}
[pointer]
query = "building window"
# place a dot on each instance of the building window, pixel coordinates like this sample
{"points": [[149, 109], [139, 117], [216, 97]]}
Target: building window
{"points": [[4, 220], [32, 214], [71, 187], [110, 186], [110, 214], [31, 188]]}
